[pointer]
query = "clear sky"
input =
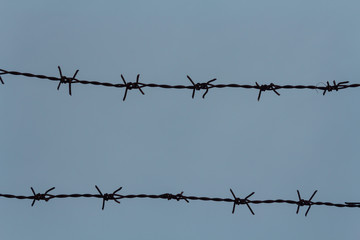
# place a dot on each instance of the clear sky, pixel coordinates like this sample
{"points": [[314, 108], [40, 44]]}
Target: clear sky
{"points": [[167, 142]]}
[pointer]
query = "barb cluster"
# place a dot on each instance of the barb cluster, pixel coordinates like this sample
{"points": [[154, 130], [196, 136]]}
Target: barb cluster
{"points": [[115, 196], [194, 87]]}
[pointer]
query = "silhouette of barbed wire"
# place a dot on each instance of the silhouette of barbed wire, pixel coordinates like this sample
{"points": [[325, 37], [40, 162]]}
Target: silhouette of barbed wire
{"points": [[328, 87], [116, 197]]}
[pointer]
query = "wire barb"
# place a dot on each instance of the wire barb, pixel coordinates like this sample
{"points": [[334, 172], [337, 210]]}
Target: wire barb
{"points": [[238, 201], [109, 196], [303, 202], [177, 197], [265, 87], [40, 196], [199, 86], [132, 85], [335, 87], [64, 79]]}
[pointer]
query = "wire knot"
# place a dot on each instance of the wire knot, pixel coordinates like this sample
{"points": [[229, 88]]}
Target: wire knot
{"points": [[265, 87], [238, 201], [41, 196], [64, 79], [132, 85], [336, 86], [199, 86], [180, 196], [303, 202], [177, 197], [109, 196]]}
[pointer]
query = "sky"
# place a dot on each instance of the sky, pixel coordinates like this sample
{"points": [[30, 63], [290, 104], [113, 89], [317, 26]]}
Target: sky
{"points": [[167, 142]]}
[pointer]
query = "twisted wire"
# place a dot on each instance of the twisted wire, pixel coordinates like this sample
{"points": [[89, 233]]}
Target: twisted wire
{"points": [[115, 196], [328, 87]]}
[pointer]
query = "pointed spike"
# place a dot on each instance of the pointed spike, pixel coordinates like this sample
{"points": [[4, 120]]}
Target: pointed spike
{"points": [[122, 77], [61, 76], [233, 210], [58, 87], [98, 190], [103, 204], [211, 80], [49, 190], [126, 90], [70, 87], [205, 93], [232, 193], [307, 211], [313, 195], [250, 195], [190, 80], [76, 72], [117, 190], [250, 209], [274, 89]]}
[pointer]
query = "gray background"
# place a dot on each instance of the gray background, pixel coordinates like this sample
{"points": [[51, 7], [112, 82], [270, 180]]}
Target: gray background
{"points": [[167, 142]]}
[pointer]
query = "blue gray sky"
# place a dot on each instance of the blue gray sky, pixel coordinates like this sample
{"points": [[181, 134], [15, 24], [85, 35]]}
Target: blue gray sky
{"points": [[167, 142]]}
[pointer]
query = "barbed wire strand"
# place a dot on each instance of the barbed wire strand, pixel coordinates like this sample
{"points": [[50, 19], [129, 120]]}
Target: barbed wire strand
{"points": [[116, 197], [328, 87]]}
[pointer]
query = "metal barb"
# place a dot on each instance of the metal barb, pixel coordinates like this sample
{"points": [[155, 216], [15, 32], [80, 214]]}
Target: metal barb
{"points": [[180, 196], [336, 86], [108, 196], [265, 87], [238, 201], [199, 86], [131, 85], [177, 197], [40, 196], [64, 79], [303, 202]]}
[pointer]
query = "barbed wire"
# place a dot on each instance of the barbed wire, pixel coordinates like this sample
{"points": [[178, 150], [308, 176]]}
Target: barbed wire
{"points": [[116, 197], [328, 87]]}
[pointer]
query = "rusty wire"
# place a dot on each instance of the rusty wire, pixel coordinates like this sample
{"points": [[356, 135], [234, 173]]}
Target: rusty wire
{"points": [[328, 87], [116, 197]]}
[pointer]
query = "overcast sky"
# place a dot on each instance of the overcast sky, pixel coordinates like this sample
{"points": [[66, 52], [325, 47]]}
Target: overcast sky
{"points": [[165, 141]]}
